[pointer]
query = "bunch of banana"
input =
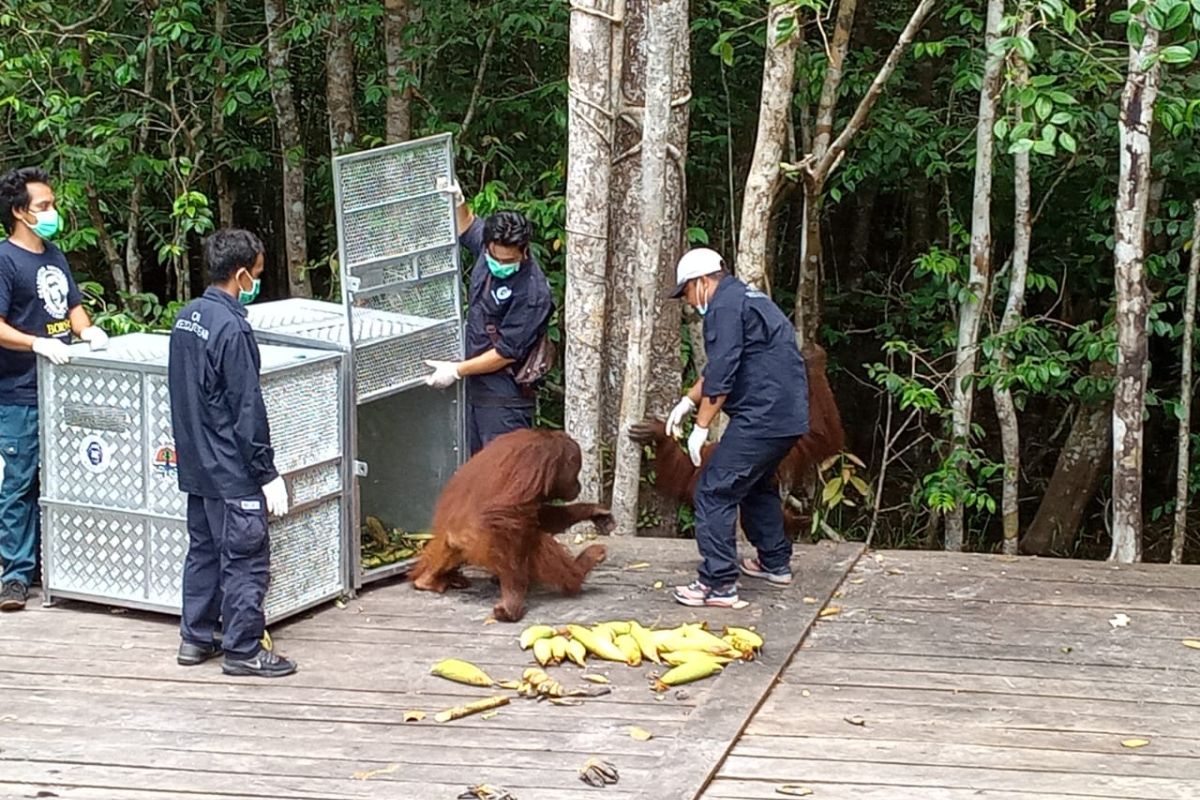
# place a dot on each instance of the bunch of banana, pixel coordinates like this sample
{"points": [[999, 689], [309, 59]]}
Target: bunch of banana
{"points": [[536, 683], [691, 650]]}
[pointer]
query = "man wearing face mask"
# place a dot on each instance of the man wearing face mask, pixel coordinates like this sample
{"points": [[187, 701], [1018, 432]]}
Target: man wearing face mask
{"points": [[756, 375], [226, 464], [40, 307], [509, 309]]}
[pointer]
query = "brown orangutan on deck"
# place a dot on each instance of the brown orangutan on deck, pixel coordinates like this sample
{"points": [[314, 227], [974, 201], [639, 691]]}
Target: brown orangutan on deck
{"points": [[496, 513], [675, 477]]}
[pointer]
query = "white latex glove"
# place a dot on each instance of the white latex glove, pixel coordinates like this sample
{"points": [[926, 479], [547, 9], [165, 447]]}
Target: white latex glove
{"points": [[52, 349], [677, 415], [697, 440], [94, 336], [454, 190], [445, 373], [277, 497]]}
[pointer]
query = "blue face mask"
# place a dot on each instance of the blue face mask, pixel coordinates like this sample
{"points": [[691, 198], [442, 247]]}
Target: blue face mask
{"points": [[500, 269], [48, 223], [248, 297]]}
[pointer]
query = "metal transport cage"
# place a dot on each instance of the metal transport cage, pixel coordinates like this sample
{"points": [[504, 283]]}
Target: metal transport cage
{"points": [[402, 304], [114, 521]]}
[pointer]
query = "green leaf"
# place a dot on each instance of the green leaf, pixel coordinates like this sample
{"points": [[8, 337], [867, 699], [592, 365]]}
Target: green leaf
{"points": [[1060, 118], [727, 53], [1044, 107], [1176, 54], [1067, 141], [1062, 98], [1000, 128], [1177, 16], [1042, 147], [1020, 146]]}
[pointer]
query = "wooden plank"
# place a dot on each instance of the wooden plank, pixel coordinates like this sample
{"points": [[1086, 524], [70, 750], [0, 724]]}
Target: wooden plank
{"points": [[796, 770], [953, 755], [727, 789]]}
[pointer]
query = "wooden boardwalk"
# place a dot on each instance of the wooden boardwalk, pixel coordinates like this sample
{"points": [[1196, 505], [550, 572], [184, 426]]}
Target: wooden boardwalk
{"points": [[93, 707], [947, 677]]}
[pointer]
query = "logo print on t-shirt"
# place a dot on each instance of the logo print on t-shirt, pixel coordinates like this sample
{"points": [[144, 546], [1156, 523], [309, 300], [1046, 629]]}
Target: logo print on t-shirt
{"points": [[503, 293], [52, 290]]}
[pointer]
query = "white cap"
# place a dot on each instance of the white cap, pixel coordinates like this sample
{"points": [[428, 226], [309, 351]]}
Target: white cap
{"points": [[694, 264]]}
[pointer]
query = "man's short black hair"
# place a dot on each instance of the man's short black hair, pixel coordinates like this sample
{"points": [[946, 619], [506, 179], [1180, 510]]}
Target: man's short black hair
{"points": [[14, 192], [228, 250], [507, 228]]}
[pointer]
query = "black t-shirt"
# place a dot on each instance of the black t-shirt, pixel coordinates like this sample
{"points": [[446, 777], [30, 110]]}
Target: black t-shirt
{"points": [[37, 293]]}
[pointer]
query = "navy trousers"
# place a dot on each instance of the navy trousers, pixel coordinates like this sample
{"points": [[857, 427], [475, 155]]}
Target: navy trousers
{"points": [[741, 476], [226, 572], [20, 522], [485, 423]]}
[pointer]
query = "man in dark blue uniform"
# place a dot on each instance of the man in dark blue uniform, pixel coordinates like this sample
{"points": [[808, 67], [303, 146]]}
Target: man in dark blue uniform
{"points": [[756, 375], [40, 307], [226, 464], [508, 310]]}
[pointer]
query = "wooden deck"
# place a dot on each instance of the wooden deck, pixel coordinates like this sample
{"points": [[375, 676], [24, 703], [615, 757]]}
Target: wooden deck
{"points": [[92, 705], [929, 677], [951, 677]]}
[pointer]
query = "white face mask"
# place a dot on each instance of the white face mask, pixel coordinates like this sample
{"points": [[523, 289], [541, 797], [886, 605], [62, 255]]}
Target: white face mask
{"points": [[702, 308]]}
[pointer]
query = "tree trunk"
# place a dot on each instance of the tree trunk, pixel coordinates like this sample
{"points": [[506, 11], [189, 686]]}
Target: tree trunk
{"points": [[817, 169], [292, 147], [1006, 410], [1137, 116], [339, 80], [133, 255], [220, 172], [970, 312], [643, 296], [763, 180], [1076, 476], [397, 16], [1179, 538], [112, 257], [629, 67], [589, 164]]}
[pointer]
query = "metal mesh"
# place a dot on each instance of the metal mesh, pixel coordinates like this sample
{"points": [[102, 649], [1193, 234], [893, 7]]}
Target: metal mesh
{"points": [[168, 549], [379, 367], [95, 553], [393, 172], [433, 299], [397, 228], [305, 560], [102, 465], [303, 409], [162, 488], [315, 483]]}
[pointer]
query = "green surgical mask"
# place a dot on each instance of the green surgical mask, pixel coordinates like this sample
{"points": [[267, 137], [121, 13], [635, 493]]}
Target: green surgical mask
{"points": [[246, 298], [501, 270], [48, 223]]}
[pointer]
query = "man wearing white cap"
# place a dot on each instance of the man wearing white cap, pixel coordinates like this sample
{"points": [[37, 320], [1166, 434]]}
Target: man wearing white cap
{"points": [[755, 373]]}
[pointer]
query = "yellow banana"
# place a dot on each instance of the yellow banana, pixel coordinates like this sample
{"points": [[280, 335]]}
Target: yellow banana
{"points": [[461, 671], [558, 646], [615, 628], [533, 633], [543, 651], [745, 636], [629, 646], [645, 642], [677, 657], [535, 676], [696, 639], [691, 670], [577, 652], [597, 644]]}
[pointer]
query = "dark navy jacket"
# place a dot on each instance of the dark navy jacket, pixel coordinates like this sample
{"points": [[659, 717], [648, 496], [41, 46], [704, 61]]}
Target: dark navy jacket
{"points": [[517, 307], [222, 438], [753, 359]]}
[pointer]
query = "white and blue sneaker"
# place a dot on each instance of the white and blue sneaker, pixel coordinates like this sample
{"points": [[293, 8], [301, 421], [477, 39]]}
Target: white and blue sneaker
{"points": [[700, 594]]}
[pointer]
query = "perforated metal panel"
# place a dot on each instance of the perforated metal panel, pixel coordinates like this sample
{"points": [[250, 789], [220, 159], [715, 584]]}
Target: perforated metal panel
{"points": [[114, 522]]}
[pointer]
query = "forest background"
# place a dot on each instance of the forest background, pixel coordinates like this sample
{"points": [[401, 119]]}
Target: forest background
{"points": [[982, 210]]}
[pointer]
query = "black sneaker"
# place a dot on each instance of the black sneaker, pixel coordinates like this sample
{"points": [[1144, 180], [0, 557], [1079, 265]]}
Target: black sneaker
{"points": [[192, 654], [264, 664], [13, 596]]}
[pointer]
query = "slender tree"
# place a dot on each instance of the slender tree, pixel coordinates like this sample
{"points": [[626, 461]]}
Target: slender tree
{"points": [[970, 310], [1133, 194]]}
